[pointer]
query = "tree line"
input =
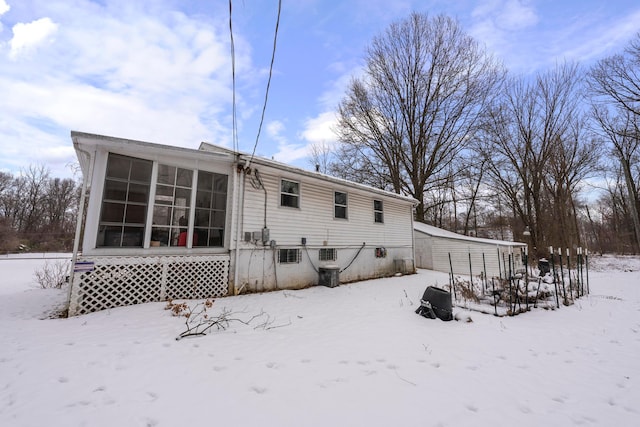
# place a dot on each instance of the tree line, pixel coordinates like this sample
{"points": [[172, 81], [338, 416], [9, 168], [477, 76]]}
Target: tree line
{"points": [[551, 158], [37, 211]]}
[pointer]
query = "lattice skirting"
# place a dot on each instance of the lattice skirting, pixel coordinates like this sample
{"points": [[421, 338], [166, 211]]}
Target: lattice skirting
{"points": [[106, 282]]}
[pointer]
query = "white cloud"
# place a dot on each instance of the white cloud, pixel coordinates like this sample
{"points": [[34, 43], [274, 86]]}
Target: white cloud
{"points": [[516, 15], [320, 129], [275, 129], [27, 37], [509, 15], [609, 38], [289, 153], [4, 7], [161, 77], [495, 23]]}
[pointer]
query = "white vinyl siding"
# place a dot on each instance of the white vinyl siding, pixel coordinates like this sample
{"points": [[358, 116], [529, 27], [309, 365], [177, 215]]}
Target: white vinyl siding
{"points": [[314, 220]]}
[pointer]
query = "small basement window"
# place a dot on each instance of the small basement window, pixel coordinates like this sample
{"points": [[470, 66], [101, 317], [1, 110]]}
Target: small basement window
{"points": [[381, 252], [327, 254], [289, 256]]}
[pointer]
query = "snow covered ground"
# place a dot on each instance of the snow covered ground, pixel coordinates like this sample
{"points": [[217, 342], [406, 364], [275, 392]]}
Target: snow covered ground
{"points": [[355, 355]]}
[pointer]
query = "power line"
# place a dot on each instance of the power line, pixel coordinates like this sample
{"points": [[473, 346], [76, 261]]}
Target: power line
{"points": [[233, 79], [266, 95]]}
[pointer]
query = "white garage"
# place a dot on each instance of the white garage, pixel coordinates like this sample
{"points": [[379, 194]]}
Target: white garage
{"points": [[442, 250]]}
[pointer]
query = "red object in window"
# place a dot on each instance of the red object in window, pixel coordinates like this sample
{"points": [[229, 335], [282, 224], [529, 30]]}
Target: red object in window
{"points": [[182, 239]]}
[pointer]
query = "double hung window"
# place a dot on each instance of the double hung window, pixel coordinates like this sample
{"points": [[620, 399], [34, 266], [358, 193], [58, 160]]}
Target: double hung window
{"points": [[340, 205], [378, 213], [289, 194]]}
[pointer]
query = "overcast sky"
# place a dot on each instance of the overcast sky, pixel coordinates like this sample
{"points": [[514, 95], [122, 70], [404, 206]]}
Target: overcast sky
{"points": [[160, 71]]}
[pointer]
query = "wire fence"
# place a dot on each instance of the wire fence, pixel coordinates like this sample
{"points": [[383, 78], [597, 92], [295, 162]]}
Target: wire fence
{"points": [[559, 279]]}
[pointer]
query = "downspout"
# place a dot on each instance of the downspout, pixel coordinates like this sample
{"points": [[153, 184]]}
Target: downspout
{"points": [[238, 185], [413, 241], [79, 220]]}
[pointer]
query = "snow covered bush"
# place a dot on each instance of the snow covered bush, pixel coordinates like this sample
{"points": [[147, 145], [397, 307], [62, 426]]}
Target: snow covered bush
{"points": [[53, 275]]}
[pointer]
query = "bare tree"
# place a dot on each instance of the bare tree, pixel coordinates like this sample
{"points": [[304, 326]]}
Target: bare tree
{"points": [[614, 83], [536, 121], [426, 83], [33, 199], [616, 80], [61, 204], [37, 209], [623, 132], [320, 156]]}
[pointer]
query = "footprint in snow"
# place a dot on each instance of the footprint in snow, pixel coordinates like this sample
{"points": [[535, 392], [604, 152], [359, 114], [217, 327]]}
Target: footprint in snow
{"points": [[63, 380], [259, 390], [471, 408], [524, 409]]}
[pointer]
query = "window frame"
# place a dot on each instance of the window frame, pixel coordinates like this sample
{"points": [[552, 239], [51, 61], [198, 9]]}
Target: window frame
{"points": [[178, 229], [327, 254], [124, 202], [179, 169], [289, 255], [289, 195], [337, 206], [216, 207], [378, 214]]}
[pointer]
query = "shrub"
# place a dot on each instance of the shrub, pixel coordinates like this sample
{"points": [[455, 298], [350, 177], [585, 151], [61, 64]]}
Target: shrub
{"points": [[53, 275]]}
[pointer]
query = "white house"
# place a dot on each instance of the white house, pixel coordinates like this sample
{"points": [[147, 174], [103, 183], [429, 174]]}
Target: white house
{"points": [[165, 222], [442, 250]]}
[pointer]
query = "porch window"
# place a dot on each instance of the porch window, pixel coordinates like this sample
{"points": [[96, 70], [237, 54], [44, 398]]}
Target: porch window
{"points": [[175, 214], [211, 206], [124, 202], [172, 206], [289, 194], [378, 213], [289, 256], [340, 205]]}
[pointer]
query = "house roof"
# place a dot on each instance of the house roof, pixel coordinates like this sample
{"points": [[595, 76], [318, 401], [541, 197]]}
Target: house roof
{"points": [[439, 232], [81, 139], [214, 152], [248, 158]]}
